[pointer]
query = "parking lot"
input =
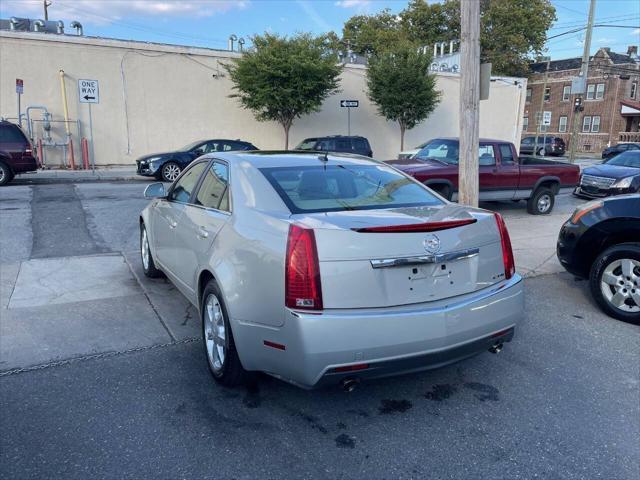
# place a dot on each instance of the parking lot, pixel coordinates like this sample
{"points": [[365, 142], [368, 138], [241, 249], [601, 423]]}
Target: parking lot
{"points": [[102, 372]]}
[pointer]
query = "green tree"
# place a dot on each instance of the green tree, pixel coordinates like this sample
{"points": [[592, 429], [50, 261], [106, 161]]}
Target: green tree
{"points": [[399, 83], [281, 79], [512, 31]]}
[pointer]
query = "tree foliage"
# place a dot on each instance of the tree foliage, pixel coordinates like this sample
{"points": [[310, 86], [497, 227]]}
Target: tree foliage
{"points": [[400, 84], [512, 31], [281, 79]]}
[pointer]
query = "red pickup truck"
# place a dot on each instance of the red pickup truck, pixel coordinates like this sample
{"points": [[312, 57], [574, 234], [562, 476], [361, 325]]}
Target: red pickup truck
{"points": [[503, 175]]}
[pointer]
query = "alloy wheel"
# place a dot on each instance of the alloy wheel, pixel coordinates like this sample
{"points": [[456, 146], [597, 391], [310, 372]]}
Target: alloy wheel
{"points": [[544, 203], [620, 284], [214, 332], [170, 172], [144, 249]]}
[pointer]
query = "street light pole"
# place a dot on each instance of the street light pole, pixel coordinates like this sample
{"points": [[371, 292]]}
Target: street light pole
{"points": [[46, 4], [584, 71], [468, 172]]}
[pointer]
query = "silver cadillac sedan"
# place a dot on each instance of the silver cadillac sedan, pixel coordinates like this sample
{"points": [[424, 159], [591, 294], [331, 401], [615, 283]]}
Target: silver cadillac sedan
{"points": [[321, 269]]}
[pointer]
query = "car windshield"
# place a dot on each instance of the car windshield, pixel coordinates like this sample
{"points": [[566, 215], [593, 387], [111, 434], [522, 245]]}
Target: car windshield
{"points": [[190, 146], [308, 144], [626, 159], [443, 150], [333, 188]]}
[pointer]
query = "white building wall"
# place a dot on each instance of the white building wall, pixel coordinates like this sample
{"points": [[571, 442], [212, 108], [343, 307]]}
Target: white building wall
{"points": [[159, 97]]}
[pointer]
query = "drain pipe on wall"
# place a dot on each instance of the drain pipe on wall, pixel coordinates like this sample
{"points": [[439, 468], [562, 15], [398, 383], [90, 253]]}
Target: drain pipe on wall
{"points": [[63, 91]]}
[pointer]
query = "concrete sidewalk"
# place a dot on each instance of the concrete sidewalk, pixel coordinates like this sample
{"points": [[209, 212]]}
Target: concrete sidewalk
{"points": [[103, 174]]}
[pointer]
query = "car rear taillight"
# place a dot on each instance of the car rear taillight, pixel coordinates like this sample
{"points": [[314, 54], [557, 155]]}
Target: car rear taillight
{"points": [[507, 252], [302, 270]]}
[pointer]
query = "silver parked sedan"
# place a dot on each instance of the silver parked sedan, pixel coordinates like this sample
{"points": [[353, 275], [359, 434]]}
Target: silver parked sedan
{"points": [[327, 268]]}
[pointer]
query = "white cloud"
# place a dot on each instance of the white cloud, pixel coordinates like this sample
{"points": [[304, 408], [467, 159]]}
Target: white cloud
{"points": [[635, 32], [353, 3], [108, 11]]}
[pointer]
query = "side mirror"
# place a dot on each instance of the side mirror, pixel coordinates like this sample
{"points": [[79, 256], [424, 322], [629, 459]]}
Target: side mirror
{"points": [[155, 190]]}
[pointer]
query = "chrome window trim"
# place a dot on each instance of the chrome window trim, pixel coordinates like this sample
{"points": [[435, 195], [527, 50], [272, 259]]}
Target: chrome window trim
{"points": [[424, 259]]}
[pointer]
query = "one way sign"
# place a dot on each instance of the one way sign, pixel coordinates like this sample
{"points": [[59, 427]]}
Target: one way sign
{"points": [[88, 91]]}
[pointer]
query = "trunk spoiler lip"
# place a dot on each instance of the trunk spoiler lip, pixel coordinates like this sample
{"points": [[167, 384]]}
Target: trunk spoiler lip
{"points": [[417, 227]]}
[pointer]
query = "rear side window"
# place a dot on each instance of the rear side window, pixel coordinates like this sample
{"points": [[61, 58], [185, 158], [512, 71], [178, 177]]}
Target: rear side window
{"points": [[11, 134], [360, 145], [343, 145], [213, 192], [506, 154], [328, 145], [181, 191], [332, 188]]}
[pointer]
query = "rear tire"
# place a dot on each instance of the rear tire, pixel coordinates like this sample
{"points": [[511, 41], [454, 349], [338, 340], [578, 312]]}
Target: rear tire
{"points": [[609, 284], [542, 152], [148, 265], [541, 202], [6, 175], [217, 339]]}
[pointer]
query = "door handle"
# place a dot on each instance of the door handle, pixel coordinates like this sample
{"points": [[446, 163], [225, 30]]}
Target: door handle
{"points": [[203, 233]]}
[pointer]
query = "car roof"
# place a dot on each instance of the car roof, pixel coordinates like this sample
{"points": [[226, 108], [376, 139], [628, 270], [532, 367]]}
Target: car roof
{"points": [[286, 158], [482, 140], [334, 136]]}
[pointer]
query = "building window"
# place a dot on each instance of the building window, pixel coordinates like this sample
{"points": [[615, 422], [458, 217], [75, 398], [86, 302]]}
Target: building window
{"points": [[566, 93], [599, 91], [595, 124], [525, 123], [634, 88], [528, 95], [547, 94], [562, 124], [591, 91], [586, 123]]}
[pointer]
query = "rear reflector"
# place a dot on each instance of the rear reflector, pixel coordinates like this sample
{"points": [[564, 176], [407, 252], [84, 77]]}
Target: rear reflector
{"points": [[352, 368], [507, 252], [277, 346], [417, 227], [302, 270]]}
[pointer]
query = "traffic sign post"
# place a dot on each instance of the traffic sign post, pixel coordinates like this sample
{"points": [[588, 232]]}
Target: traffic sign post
{"points": [[19, 90], [349, 104], [89, 92]]}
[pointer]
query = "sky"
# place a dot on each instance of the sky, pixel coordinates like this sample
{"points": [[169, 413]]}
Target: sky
{"points": [[208, 23]]}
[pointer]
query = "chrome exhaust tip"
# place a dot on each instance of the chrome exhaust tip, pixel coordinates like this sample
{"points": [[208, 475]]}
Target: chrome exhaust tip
{"points": [[349, 384], [497, 348]]}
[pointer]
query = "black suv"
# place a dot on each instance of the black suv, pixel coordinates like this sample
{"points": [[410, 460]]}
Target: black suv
{"points": [[601, 242], [337, 143], [546, 146], [16, 152]]}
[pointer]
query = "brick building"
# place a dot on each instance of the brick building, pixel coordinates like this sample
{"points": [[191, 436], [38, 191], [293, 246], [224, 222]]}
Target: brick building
{"points": [[611, 103]]}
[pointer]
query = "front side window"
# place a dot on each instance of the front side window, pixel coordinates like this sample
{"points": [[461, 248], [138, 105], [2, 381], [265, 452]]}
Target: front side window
{"points": [[213, 192], [599, 91], [334, 188], [487, 155], [591, 91], [595, 124], [308, 144], [586, 123], [182, 189], [562, 125], [566, 93], [506, 154]]}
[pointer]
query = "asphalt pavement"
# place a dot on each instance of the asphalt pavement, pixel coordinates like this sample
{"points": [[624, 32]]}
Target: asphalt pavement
{"points": [[107, 379]]}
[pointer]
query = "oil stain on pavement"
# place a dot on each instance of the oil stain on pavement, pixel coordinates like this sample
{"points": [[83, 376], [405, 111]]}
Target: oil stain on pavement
{"points": [[394, 406]]}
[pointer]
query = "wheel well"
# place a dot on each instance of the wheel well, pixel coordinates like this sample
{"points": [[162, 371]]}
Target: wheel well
{"points": [[552, 185], [7, 163], [599, 245], [203, 279]]}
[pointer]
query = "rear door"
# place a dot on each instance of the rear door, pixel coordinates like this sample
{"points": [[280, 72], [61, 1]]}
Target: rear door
{"points": [[202, 220]]}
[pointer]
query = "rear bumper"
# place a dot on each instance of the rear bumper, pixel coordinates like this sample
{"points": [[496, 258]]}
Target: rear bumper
{"points": [[389, 341]]}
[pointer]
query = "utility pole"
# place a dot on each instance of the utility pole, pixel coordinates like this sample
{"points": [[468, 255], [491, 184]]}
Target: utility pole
{"points": [[46, 4], [539, 116], [584, 72], [468, 173]]}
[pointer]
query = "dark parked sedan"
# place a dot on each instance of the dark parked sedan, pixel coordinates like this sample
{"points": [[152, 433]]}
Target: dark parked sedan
{"points": [[337, 144], [601, 242], [619, 148], [618, 175], [167, 166], [16, 152]]}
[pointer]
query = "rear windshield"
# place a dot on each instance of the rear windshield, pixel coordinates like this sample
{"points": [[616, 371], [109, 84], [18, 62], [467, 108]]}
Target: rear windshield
{"points": [[333, 188]]}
